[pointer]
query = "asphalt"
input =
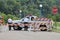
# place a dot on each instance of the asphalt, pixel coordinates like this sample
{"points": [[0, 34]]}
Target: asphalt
{"points": [[25, 35]]}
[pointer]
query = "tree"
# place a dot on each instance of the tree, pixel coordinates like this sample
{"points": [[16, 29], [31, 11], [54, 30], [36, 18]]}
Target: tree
{"points": [[13, 7]]}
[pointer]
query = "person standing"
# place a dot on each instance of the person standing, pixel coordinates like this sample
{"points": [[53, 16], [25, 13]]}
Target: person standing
{"points": [[26, 23], [10, 21]]}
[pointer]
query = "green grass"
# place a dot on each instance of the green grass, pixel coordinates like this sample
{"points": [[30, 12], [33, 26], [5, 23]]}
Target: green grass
{"points": [[57, 24], [56, 30], [57, 27]]}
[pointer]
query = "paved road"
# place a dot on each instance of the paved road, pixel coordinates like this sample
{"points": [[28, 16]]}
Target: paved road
{"points": [[25, 35]]}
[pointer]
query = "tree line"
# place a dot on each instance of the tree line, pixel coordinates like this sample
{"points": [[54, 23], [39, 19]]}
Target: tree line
{"points": [[13, 7]]}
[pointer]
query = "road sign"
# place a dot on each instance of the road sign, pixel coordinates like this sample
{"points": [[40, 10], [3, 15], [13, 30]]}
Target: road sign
{"points": [[55, 10]]}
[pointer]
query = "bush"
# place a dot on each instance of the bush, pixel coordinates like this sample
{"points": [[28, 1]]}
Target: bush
{"points": [[8, 16]]}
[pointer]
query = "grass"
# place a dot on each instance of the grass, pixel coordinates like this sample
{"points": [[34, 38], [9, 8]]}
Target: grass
{"points": [[56, 30], [57, 27], [57, 24]]}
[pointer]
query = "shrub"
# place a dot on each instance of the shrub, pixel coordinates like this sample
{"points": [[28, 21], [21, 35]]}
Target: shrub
{"points": [[8, 16]]}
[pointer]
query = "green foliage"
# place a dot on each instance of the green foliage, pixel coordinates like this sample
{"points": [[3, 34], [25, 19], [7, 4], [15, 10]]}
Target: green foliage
{"points": [[13, 7], [54, 17], [8, 16]]}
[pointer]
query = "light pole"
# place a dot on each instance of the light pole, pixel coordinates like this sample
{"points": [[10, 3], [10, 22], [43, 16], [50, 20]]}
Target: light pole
{"points": [[40, 14], [20, 14]]}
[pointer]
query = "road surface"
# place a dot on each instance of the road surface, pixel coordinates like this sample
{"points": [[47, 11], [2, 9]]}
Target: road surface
{"points": [[25, 35]]}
